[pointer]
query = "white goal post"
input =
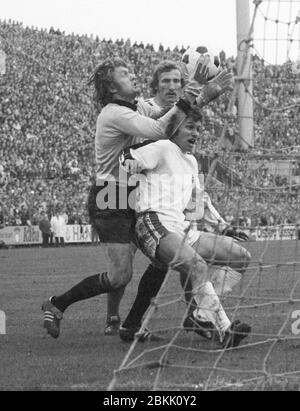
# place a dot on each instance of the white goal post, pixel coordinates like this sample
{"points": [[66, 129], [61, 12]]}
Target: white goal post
{"points": [[244, 74]]}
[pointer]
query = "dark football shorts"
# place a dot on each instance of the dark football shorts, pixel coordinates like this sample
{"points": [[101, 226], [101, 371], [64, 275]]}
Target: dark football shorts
{"points": [[112, 225]]}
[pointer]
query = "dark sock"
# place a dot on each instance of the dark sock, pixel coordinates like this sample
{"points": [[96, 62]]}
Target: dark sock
{"points": [[149, 287], [88, 288]]}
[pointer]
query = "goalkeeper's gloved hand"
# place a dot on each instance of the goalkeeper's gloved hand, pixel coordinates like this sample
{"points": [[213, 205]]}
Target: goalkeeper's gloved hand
{"points": [[199, 92], [215, 88], [235, 233]]}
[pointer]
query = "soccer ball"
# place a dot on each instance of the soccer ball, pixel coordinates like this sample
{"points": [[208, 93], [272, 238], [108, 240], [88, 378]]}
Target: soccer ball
{"points": [[191, 57]]}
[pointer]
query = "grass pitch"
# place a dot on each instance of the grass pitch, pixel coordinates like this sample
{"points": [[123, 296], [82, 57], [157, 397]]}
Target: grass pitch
{"points": [[84, 359]]}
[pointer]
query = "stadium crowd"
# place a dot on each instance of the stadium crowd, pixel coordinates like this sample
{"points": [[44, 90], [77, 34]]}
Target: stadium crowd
{"points": [[47, 121]]}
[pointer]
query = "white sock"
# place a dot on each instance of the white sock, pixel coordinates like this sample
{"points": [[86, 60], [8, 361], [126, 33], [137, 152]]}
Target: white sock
{"points": [[210, 309], [223, 279]]}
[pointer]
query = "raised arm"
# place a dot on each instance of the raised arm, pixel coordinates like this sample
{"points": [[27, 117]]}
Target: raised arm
{"points": [[154, 112], [133, 123], [195, 96]]}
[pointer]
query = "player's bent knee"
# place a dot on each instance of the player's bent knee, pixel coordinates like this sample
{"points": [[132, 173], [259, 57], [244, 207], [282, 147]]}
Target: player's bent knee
{"points": [[241, 256], [117, 283], [246, 256], [119, 277], [192, 268]]}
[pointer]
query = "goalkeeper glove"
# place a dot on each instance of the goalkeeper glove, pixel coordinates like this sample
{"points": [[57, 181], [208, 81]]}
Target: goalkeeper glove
{"points": [[200, 94], [215, 88], [235, 233]]}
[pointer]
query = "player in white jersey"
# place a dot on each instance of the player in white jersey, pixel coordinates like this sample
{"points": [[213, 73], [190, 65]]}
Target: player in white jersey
{"points": [[170, 178], [110, 210], [166, 88]]}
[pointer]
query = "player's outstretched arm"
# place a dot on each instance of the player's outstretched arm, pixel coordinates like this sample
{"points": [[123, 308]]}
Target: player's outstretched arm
{"points": [[154, 112], [197, 92], [132, 123]]}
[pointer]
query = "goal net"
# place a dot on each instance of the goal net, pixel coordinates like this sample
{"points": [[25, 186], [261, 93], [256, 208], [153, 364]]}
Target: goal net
{"points": [[256, 190]]}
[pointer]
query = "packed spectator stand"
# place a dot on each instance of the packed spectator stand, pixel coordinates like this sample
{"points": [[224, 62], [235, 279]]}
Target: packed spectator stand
{"points": [[47, 122]]}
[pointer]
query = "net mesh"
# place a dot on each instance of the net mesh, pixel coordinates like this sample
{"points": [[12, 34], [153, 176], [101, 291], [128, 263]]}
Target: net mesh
{"points": [[257, 191]]}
